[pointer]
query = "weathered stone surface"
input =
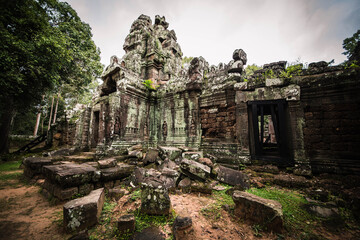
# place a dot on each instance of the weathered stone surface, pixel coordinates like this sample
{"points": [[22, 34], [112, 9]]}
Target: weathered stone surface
{"points": [[201, 187], [118, 172], [185, 185], [231, 176], [126, 224], [136, 154], [151, 233], [323, 211], [116, 193], [291, 181], [68, 175], [194, 169], [83, 235], [61, 152], [83, 212], [266, 168], [180, 225], [84, 157], [151, 156], [271, 82], [36, 163], [169, 152], [107, 163], [154, 197], [206, 161], [258, 210], [193, 155], [86, 189], [65, 193]]}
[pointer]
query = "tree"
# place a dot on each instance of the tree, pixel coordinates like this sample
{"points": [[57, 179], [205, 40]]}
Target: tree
{"points": [[44, 45], [352, 47]]}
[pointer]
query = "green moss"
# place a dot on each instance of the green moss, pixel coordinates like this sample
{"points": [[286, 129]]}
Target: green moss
{"points": [[10, 166], [143, 221]]}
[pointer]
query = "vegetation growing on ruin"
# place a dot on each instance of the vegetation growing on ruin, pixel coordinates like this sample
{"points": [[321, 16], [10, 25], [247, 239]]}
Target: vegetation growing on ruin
{"points": [[150, 85], [292, 70]]}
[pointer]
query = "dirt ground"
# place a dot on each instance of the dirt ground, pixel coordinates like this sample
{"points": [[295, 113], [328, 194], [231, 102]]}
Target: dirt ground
{"points": [[26, 214]]}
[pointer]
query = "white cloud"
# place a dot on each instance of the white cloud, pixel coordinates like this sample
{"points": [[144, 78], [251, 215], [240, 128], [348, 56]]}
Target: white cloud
{"points": [[268, 31]]}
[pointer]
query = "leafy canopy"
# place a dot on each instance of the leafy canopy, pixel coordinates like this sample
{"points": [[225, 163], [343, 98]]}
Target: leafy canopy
{"points": [[349, 44], [45, 45]]}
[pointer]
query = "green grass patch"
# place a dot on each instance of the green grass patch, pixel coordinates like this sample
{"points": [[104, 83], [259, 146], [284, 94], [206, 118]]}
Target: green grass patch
{"points": [[143, 221], [10, 176], [10, 166], [296, 218], [135, 195]]}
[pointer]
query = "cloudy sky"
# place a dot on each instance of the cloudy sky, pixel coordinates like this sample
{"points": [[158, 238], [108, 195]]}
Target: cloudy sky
{"points": [[267, 30]]}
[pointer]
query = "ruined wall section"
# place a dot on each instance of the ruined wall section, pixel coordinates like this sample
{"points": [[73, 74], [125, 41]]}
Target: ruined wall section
{"points": [[331, 103]]}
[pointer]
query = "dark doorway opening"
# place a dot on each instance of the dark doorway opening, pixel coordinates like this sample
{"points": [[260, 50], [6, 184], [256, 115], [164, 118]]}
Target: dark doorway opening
{"points": [[95, 139], [268, 131]]}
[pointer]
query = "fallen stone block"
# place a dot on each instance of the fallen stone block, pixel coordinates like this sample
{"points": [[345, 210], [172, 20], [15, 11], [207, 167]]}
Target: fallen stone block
{"points": [[151, 156], [135, 154], [201, 187], [185, 185], [83, 212], [116, 193], [155, 199], [180, 227], [86, 188], [257, 210], [192, 155], [33, 165], [194, 169], [126, 224], [231, 176], [291, 181], [65, 193], [80, 158], [206, 161], [107, 163], [169, 152], [120, 171], [70, 175]]}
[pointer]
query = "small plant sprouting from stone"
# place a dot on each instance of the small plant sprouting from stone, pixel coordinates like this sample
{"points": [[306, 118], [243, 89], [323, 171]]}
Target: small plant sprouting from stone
{"points": [[291, 71], [150, 84]]}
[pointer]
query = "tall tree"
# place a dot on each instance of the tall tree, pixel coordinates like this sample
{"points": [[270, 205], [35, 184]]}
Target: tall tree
{"points": [[352, 46], [44, 45]]}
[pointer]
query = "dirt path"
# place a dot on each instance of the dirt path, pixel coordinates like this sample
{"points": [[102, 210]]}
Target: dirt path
{"points": [[26, 214]]}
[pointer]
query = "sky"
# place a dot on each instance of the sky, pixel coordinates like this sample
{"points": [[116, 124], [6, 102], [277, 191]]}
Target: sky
{"points": [[267, 30]]}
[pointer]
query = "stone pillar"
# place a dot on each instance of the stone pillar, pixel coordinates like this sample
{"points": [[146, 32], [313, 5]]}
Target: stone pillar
{"points": [[296, 137]]}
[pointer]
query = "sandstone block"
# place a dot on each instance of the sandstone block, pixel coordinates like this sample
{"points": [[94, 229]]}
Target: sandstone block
{"points": [[193, 155], [107, 163], [70, 174], [231, 176], [151, 156], [154, 198], [83, 212], [126, 224], [194, 169], [259, 210], [169, 152], [118, 172]]}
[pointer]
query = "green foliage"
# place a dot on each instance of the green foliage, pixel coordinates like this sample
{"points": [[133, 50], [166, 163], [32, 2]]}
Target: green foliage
{"points": [[44, 45], [135, 195], [293, 70], [186, 60], [143, 221], [269, 74], [351, 65], [150, 84], [250, 69], [349, 44]]}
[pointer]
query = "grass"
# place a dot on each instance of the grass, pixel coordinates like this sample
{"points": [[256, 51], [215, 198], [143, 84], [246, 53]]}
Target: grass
{"points": [[10, 166], [143, 221], [9, 171]]}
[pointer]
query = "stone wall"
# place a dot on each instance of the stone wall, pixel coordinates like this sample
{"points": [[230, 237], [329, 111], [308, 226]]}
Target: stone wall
{"points": [[331, 103]]}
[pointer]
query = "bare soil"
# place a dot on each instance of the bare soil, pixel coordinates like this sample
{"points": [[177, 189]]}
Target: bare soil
{"points": [[26, 214]]}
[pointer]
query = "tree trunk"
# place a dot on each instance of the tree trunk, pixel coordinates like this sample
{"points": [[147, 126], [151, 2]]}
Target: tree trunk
{"points": [[5, 125], [51, 111], [38, 118], [56, 107]]}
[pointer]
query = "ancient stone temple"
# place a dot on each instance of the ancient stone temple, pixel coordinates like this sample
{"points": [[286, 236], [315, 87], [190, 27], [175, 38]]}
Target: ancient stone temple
{"points": [[303, 118]]}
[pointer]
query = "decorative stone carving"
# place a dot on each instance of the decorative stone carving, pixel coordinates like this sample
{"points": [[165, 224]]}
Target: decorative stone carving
{"points": [[238, 62]]}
